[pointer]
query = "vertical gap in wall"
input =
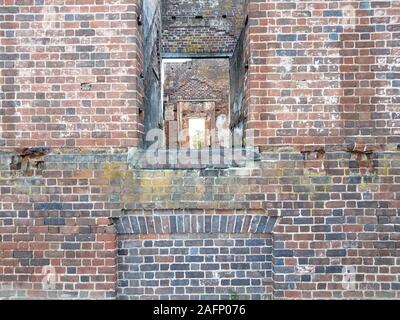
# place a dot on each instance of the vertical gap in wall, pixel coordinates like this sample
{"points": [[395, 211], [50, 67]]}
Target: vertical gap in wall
{"points": [[238, 69], [151, 20]]}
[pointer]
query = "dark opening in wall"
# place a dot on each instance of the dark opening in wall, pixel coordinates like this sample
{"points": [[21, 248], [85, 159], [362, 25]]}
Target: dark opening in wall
{"points": [[151, 115], [196, 103], [189, 94]]}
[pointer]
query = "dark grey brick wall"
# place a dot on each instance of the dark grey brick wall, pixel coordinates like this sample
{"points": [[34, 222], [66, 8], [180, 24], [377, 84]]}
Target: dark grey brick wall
{"points": [[194, 256], [196, 267]]}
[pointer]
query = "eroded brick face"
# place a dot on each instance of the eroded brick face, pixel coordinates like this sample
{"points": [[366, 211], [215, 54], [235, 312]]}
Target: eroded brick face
{"points": [[70, 74], [315, 216], [323, 72]]}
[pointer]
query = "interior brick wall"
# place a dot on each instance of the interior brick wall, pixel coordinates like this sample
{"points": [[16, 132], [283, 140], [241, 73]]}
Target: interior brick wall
{"points": [[204, 26], [213, 75]]}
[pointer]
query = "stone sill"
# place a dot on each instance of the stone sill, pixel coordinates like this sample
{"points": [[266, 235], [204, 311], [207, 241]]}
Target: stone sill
{"points": [[187, 159]]}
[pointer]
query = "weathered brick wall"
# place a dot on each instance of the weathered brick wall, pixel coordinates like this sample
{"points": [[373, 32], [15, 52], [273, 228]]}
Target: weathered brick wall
{"points": [[195, 269], [198, 79], [323, 72], [335, 213], [335, 204], [222, 257], [69, 74], [206, 26], [56, 223], [338, 234]]}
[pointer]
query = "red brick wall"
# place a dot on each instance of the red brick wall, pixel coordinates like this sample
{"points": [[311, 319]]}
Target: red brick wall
{"points": [[57, 224], [323, 73], [335, 210], [48, 54], [333, 214]]}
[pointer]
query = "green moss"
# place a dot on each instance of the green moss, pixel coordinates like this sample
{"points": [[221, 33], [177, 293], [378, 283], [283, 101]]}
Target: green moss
{"points": [[113, 171], [392, 148], [24, 190], [286, 149], [386, 167], [310, 172], [193, 47], [233, 295], [363, 187]]}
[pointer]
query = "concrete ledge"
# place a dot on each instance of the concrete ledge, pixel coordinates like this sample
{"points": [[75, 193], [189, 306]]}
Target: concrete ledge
{"points": [[196, 55], [183, 159]]}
